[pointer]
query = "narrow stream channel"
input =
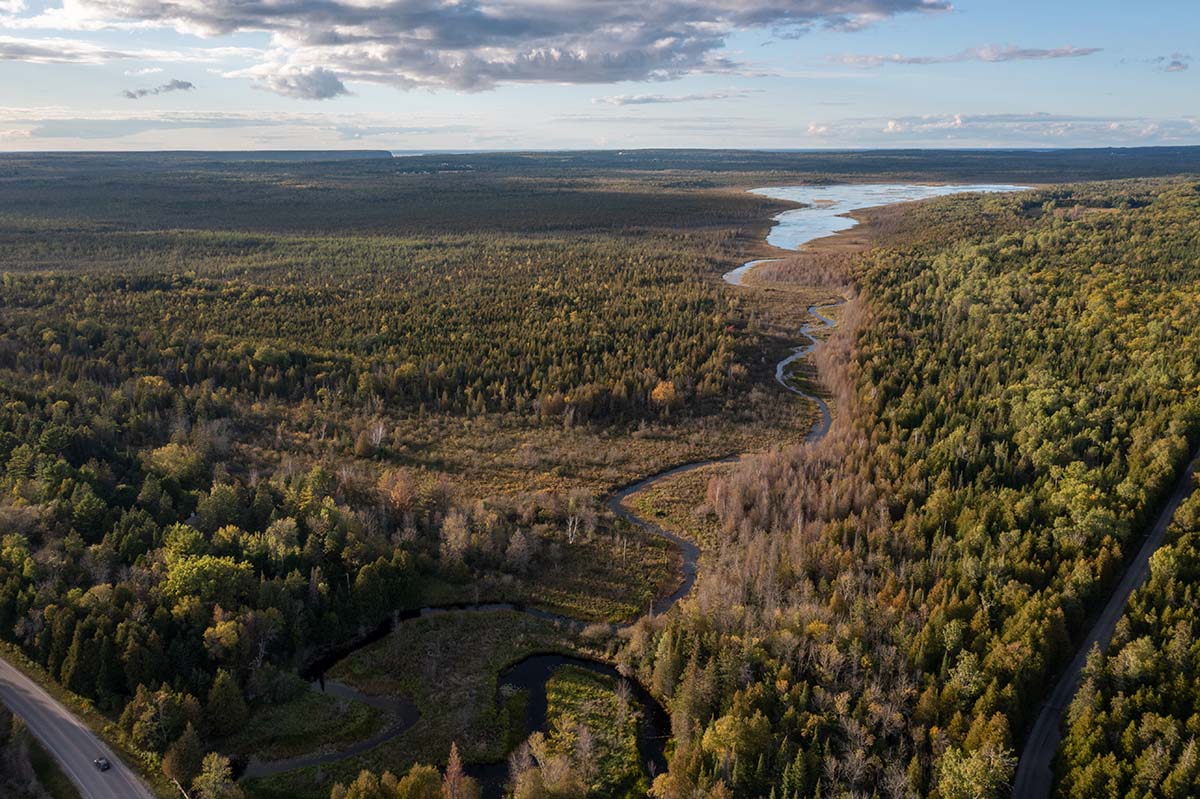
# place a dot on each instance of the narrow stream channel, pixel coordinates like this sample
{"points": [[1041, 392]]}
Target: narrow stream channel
{"points": [[823, 214]]}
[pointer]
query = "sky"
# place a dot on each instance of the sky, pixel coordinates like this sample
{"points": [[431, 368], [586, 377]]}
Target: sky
{"points": [[427, 75]]}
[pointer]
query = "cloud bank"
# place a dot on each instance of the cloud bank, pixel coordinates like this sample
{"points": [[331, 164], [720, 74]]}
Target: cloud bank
{"points": [[1026, 130], [147, 126], [317, 45]]}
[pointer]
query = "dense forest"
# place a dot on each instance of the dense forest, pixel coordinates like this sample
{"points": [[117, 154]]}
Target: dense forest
{"points": [[1133, 726], [889, 605], [207, 468], [604, 330], [223, 453]]}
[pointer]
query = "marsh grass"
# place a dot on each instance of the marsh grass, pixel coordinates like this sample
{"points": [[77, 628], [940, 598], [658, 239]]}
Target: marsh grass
{"points": [[297, 726], [449, 666], [579, 699]]}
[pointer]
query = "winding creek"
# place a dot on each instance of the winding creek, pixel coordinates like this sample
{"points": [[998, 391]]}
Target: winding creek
{"points": [[823, 214]]}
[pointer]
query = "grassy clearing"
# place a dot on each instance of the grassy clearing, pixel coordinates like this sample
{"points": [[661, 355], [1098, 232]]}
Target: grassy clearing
{"points": [[803, 377], [679, 505], [448, 665], [303, 723], [578, 699], [506, 454], [608, 576]]}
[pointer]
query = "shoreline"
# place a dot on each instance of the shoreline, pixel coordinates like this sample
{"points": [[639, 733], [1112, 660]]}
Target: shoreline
{"points": [[829, 228]]}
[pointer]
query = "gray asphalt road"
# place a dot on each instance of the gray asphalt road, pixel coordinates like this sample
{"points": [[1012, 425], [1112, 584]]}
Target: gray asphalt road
{"points": [[68, 740], [1034, 778]]}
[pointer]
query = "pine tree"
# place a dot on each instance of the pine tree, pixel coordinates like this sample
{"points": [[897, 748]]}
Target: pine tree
{"points": [[108, 675], [185, 757], [81, 664], [455, 783], [62, 630], [226, 711]]}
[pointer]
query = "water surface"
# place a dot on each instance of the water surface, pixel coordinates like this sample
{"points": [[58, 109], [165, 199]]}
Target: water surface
{"points": [[826, 206]]}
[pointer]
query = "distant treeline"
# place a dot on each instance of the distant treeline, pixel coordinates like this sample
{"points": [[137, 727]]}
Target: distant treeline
{"points": [[516, 192]]}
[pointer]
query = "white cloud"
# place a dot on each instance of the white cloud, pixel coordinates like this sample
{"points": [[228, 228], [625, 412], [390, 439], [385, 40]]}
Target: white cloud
{"points": [[303, 83], [59, 50], [133, 126], [317, 45], [50, 125], [988, 54], [661, 99], [1018, 130]]}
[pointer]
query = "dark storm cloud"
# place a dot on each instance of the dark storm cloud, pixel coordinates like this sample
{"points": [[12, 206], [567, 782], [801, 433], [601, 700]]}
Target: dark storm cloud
{"points": [[166, 88], [476, 44]]}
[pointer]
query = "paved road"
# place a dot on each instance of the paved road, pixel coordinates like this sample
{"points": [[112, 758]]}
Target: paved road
{"points": [[68, 740], [1034, 777]]}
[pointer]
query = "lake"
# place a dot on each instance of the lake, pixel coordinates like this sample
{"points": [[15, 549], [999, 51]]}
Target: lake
{"points": [[826, 206]]}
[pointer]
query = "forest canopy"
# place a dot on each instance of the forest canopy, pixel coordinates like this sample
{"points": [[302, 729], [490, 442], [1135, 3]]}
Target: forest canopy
{"points": [[891, 604], [220, 429]]}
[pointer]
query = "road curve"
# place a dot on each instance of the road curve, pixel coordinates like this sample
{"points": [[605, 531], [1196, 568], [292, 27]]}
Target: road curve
{"points": [[68, 740], [1034, 777]]}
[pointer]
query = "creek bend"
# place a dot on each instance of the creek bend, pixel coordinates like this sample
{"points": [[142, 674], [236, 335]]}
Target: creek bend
{"points": [[824, 212]]}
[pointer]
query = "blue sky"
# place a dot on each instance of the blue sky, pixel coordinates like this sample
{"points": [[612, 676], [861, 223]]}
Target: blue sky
{"points": [[540, 74]]}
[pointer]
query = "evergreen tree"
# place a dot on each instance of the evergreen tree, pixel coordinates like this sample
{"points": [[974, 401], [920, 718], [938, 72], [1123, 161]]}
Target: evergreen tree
{"points": [[81, 664], [109, 680], [455, 782], [226, 710], [185, 757]]}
